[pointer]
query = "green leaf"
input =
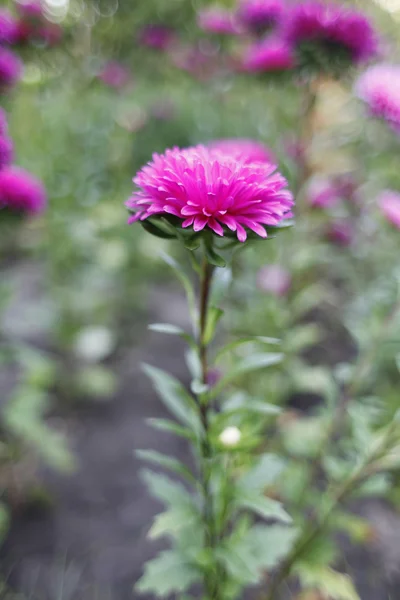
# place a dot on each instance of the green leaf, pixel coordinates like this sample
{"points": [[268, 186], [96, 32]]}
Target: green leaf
{"points": [[305, 436], [241, 402], [333, 585], [4, 521], [213, 257], [169, 572], [193, 362], [221, 281], [317, 380], [247, 365], [264, 473], [246, 340], [165, 489], [214, 315], [186, 283], [175, 521], [169, 329], [156, 230], [175, 397], [303, 336], [171, 427], [262, 505], [165, 461]]}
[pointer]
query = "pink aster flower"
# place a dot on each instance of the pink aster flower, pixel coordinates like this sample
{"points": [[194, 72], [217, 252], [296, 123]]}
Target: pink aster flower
{"points": [[214, 190], [6, 151], [332, 25], [158, 37], [21, 192], [274, 280], [8, 27], [217, 20], [245, 150], [379, 87], [260, 15], [322, 193], [114, 75], [389, 203], [10, 68], [270, 55]]}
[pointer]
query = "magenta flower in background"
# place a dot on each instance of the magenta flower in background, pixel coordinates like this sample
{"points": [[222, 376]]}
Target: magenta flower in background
{"points": [[10, 68], [379, 87], [331, 26], [6, 151], [21, 192], [322, 193], [244, 149], [8, 27], [389, 203], [30, 10], [158, 37], [340, 233], [218, 20], [208, 189], [258, 16], [3, 122], [114, 75], [274, 280], [270, 55]]}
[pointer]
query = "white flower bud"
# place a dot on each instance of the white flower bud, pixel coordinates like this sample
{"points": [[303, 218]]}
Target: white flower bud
{"points": [[230, 436]]}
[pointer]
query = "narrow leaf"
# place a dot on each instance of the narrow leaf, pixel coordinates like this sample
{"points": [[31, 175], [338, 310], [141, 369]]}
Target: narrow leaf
{"points": [[264, 473], [262, 505], [171, 427], [167, 462], [165, 489], [246, 340], [169, 329], [214, 315], [169, 572], [186, 283]]}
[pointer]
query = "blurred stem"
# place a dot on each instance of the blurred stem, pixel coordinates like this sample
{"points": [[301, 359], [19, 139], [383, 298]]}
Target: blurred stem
{"points": [[306, 131], [211, 580]]}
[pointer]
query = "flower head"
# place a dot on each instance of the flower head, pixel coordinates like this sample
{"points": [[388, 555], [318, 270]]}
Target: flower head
{"points": [[270, 55], [217, 20], [244, 149], [322, 193], [230, 437], [324, 32], [260, 15], [158, 37], [32, 9], [114, 75], [205, 188], [21, 192], [8, 27], [10, 69], [379, 87], [340, 232], [389, 203], [6, 151], [274, 279]]}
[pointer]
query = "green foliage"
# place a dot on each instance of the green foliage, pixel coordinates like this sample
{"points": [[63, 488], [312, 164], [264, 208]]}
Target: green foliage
{"points": [[169, 572], [333, 585]]}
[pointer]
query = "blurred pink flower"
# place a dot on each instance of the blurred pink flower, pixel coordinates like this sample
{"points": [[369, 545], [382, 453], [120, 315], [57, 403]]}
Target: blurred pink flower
{"points": [[322, 193], [270, 55], [379, 87], [6, 151], [8, 27], [260, 15], [10, 69], [340, 233], [3, 122], [114, 75], [389, 203], [50, 33], [217, 20], [244, 149], [274, 279], [158, 37], [213, 376], [211, 190], [31, 10], [331, 24], [21, 192]]}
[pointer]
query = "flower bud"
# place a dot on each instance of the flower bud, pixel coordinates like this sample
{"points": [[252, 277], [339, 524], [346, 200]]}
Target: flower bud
{"points": [[230, 437]]}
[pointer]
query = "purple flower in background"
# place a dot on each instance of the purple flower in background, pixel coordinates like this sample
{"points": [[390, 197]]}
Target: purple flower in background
{"points": [[8, 27], [331, 27], [114, 75], [213, 376], [158, 37], [21, 192], [379, 87], [322, 193], [218, 20], [340, 233], [258, 16], [274, 279], [389, 203], [244, 149], [10, 68], [30, 10], [6, 151], [270, 55], [214, 190], [3, 122]]}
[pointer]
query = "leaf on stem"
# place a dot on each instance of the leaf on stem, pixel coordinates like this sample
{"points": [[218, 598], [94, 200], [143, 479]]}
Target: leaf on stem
{"points": [[213, 316], [169, 329], [167, 462], [186, 283], [330, 583], [246, 340], [168, 572], [171, 427]]}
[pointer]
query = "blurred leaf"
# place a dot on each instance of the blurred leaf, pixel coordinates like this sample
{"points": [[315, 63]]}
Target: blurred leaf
{"points": [[171, 427], [241, 402], [302, 336], [213, 316], [247, 340], [172, 330], [167, 462], [333, 585], [169, 572], [213, 257], [4, 521], [265, 507], [186, 283], [222, 279], [165, 489], [96, 382], [175, 397], [264, 473], [303, 437], [175, 521]]}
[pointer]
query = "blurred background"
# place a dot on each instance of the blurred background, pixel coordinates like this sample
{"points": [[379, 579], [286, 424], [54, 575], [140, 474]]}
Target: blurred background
{"points": [[105, 83]]}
